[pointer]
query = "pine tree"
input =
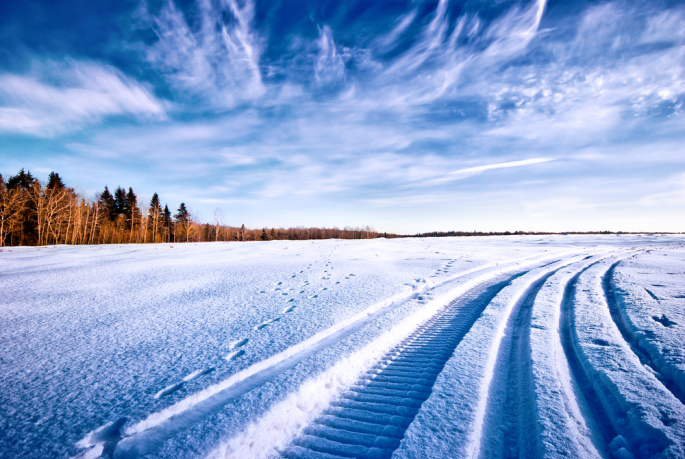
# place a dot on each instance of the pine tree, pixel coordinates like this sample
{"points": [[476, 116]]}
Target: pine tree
{"points": [[23, 180], [55, 181], [182, 218], [26, 190], [106, 203], [264, 236], [122, 207], [154, 216], [167, 223]]}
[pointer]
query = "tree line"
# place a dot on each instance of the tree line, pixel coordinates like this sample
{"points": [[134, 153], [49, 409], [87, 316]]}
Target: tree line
{"points": [[33, 213]]}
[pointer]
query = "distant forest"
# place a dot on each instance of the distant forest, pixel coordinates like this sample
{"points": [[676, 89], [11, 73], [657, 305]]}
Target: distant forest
{"points": [[32, 213]]}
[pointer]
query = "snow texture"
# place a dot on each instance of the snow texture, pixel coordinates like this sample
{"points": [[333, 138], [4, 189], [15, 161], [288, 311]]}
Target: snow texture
{"points": [[526, 346]]}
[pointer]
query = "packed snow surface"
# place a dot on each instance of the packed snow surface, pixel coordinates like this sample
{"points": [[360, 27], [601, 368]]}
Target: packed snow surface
{"points": [[519, 346]]}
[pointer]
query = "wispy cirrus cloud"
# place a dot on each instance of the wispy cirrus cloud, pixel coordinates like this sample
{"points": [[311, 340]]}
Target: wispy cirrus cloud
{"points": [[217, 59], [417, 104], [55, 97], [465, 172], [329, 66]]}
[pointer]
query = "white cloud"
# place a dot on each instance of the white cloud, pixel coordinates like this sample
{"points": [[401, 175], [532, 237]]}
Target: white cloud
{"points": [[465, 172], [58, 97], [219, 60], [329, 66]]}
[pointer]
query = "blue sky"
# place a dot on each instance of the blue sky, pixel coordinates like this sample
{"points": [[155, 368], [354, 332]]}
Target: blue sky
{"points": [[403, 115]]}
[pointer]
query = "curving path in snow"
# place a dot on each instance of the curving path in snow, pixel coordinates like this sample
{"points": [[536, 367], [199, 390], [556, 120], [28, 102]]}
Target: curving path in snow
{"points": [[532, 364], [548, 349]]}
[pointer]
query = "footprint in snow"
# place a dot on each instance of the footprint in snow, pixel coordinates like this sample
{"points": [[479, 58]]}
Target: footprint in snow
{"points": [[169, 390], [197, 373], [266, 323], [288, 309], [235, 344], [234, 355], [663, 320]]}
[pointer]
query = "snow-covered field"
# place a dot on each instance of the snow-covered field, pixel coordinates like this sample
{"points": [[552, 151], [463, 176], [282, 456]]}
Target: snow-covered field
{"points": [[555, 346]]}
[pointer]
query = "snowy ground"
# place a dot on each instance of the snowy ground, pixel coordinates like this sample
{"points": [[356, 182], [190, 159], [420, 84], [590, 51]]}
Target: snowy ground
{"points": [[562, 346]]}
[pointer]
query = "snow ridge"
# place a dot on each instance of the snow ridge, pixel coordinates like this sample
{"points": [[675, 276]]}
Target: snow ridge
{"points": [[369, 418], [287, 419], [143, 435], [635, 415], [672, 379]]}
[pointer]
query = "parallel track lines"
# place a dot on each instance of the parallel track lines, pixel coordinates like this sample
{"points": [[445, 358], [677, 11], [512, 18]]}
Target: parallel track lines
{"points": [[369, 420], [621, 320]]}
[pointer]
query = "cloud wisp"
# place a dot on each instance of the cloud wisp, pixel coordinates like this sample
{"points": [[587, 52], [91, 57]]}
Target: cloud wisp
{"points": [[407, 103], [217, 61], [59, 96]]}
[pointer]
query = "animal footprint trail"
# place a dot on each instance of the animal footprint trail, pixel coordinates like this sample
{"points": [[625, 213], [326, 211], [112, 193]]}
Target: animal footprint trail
{"points": [[266, 323], [234, 355], [235, 344], [197, 373], [234, 348], [170, 389]]}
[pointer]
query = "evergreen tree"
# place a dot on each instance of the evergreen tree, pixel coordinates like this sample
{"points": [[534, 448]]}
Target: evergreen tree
{"points": [[182, 218], [106, 203], [167, 223], [23, 180], [55, 181], [182, 214], [132, 198], [264, 236], [122, 206], [154, 203], [154, 216], [28, 189]]}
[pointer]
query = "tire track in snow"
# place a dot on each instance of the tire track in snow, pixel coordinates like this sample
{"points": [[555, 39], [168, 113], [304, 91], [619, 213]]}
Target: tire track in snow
{"points": [[562, 430], [510, 419], [632, 337], [495, 328], [278, 427], [144, 434], [589, 401], [369, 419], [641, 413]]}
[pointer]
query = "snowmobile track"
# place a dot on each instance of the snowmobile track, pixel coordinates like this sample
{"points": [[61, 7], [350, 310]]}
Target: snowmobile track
{"points": [[589, 400], [511, 411], [369, 420]]}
